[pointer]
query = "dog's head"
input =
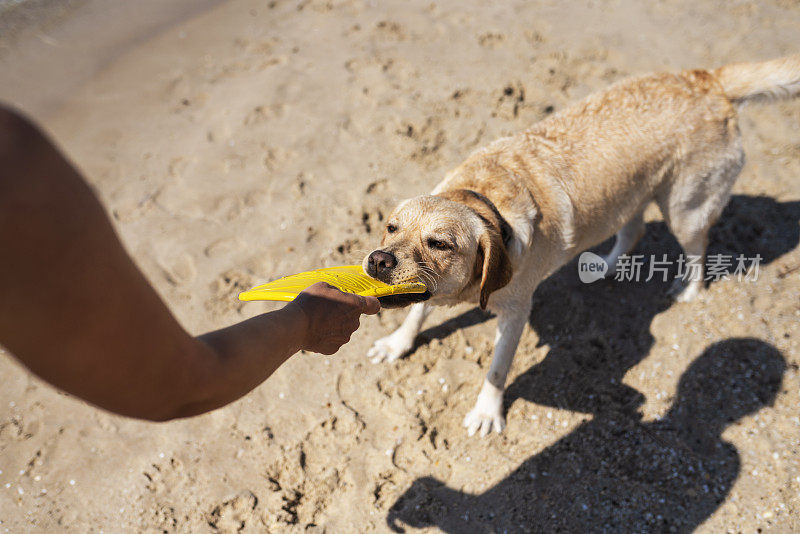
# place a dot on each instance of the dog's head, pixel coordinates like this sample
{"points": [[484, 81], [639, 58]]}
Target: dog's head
{"points": [[452, 242]]}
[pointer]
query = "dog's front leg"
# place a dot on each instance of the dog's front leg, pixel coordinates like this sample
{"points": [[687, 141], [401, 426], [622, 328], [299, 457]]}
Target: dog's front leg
{"points": [[488, 411], [401, 341]]}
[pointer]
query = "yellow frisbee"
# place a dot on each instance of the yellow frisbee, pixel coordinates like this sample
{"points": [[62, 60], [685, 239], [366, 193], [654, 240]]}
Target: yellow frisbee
{"points": [[347, 278]]}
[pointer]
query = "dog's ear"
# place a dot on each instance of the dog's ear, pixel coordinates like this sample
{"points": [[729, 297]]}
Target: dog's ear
{"points": [[494, 264]]}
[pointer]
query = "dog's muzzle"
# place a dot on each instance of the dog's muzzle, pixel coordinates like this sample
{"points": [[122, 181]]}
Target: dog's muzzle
{"points": [[380, 263], [379, 266]]}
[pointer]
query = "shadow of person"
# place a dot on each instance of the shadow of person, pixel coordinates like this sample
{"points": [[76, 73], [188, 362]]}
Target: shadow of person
{"points": [[619, 474]]}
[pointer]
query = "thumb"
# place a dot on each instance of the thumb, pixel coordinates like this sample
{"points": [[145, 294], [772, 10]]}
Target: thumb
{"points": [[370, 305]]}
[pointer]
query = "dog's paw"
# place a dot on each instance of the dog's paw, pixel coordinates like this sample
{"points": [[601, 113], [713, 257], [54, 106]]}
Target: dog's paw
{"points": [[487, 413], [476, 420], [391, 347]]}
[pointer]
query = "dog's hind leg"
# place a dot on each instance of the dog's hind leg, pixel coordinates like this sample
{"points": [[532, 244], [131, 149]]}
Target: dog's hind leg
{"points": [[626, 239], [488, 411], [690, 207], [689, 285]]}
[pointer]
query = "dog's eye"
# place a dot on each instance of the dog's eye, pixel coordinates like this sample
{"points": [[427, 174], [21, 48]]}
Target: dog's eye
{"points": [[438, 245], [391, 228]]}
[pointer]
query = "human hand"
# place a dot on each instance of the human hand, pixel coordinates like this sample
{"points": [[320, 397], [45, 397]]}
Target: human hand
{"points": [[331, 316]]}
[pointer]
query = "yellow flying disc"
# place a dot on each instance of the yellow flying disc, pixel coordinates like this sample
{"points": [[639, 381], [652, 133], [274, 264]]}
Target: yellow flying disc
{"points": [[348, 278]]}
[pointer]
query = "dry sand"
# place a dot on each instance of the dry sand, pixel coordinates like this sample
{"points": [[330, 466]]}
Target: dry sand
{"points": [[263, 138]]}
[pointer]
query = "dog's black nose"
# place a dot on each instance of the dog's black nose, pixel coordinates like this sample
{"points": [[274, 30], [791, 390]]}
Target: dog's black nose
{"points": [[380, 261]]}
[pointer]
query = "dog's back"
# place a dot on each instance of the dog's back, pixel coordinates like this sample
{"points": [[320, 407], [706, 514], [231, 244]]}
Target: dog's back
{"points": [[622, 147]]}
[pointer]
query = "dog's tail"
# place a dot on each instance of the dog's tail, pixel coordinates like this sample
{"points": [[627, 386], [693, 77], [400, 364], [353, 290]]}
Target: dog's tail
{"points": [[761, 82]]}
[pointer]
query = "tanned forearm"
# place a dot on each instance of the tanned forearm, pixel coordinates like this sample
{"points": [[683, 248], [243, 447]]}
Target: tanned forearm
{"points": [[67, 287], [75, 309], [240, 357]]}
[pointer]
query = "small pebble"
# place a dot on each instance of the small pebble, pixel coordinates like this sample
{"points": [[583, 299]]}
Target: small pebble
{"points": [[71, 482], [281, 395]]}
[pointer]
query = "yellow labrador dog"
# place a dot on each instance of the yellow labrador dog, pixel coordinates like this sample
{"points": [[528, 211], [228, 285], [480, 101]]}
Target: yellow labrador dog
{"points": [[522, 207]]}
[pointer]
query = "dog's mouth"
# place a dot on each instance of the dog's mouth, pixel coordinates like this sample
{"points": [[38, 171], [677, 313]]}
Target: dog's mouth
{"points": [[404, 299]]}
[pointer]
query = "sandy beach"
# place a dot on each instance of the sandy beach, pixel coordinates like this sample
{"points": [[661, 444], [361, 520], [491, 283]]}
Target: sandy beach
{"points": [[236, 142]]}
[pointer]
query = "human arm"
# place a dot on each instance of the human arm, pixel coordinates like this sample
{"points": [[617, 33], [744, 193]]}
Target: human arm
{"points": [[76, 310]]}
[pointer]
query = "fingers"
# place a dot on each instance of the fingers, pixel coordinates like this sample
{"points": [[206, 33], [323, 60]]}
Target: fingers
{"points": [[332, 344], [332, 315]]}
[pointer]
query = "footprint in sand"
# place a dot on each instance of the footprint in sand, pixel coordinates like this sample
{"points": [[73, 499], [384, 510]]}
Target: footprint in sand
{"points": [[178, 271], [234, 514]]}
